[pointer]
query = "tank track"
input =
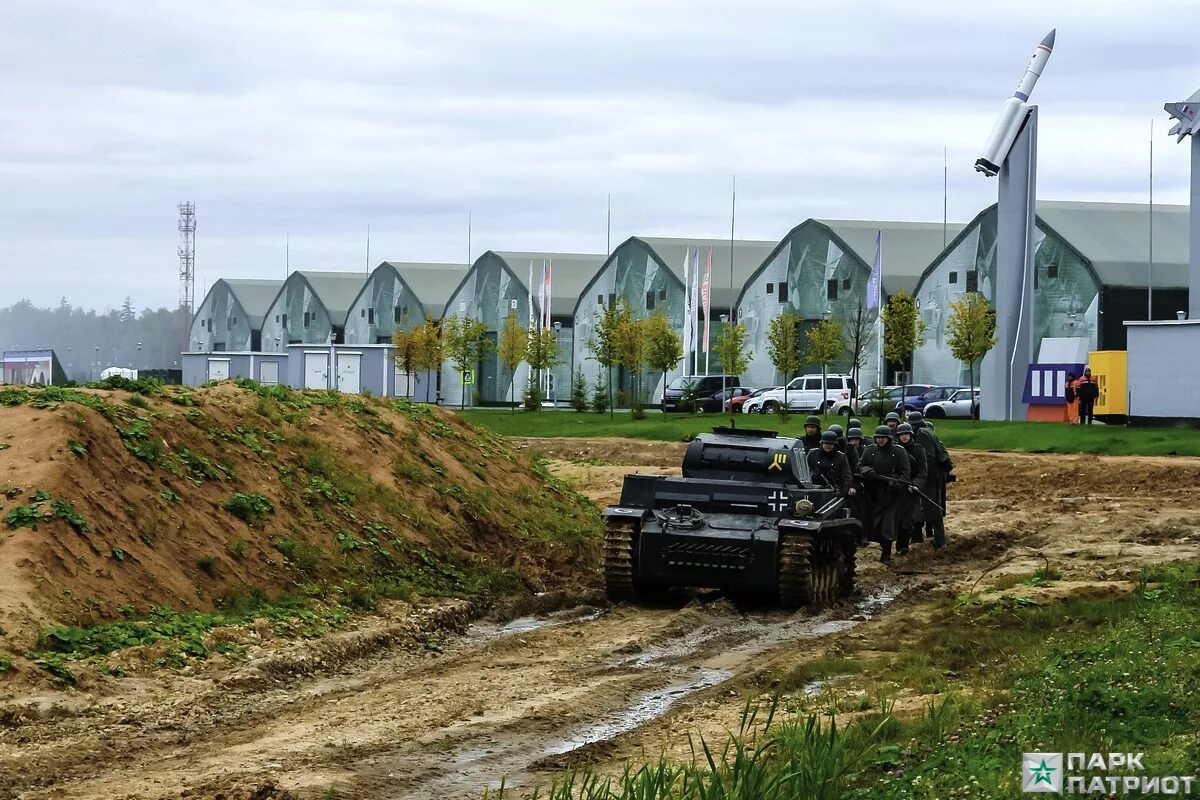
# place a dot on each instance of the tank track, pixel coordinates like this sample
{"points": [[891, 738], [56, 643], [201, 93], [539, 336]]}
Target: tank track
{"points": [[815, 571], [619, 566]]}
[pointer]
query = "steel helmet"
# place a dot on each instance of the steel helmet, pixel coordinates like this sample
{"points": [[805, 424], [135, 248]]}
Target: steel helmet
{"points": [[836, 429], [854, 433], [853, 423], [829, 437], [812, 419], [883, 430], [892, 415], [904, 427]]}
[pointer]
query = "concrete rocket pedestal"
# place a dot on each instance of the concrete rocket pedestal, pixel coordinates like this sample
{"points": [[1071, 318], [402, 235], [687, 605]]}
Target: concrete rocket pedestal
{"points": [[1002, 373]]}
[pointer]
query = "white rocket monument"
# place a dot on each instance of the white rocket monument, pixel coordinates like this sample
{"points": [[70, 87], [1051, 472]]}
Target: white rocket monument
{"points": [[1011, 153], [1008, 124]]}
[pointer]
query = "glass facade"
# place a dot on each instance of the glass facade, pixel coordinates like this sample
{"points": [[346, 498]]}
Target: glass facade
{"points": [[632, 272], [220, 323], [812, 276], [296, 317], [1066, 296], [385, 305], [489, 293]]}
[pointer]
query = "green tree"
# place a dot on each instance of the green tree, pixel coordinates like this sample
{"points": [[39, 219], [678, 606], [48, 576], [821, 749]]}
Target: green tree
{"points": [[601, 399], [631, 344], [602, 343], [406, 344], [903, 330], [783, 348], [823, 346], [971, 330], [466, 343], [542, 353], [664, 347], [732, 350], [514, 341], [579, 391], [429, 351]]}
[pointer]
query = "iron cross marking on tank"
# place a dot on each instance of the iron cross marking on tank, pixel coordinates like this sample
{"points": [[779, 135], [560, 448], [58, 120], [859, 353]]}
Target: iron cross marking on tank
{"points": [[778, 500]]}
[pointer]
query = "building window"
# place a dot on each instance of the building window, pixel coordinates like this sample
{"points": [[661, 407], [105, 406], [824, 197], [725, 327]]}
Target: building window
{"points": [[831, 289], [396, 314], [650, 300], [662, 294], [782, 292], [612, 300], [276, 319], [370, 316], [953, 277], [847, 283], [599, 299], [1052, 271], [306, 313], [972, 281], [284, 320], [770, 288]]}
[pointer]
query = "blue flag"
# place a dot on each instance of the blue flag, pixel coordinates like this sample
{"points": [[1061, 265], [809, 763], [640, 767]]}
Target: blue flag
{"points": [[875, 282]]}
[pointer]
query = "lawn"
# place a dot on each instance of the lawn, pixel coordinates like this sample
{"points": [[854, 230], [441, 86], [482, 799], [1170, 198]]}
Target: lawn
{"points": [[1030, 437]]}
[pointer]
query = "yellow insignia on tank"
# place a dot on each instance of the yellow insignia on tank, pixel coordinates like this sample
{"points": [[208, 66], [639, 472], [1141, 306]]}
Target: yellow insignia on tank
{"points": [[778, 460]]}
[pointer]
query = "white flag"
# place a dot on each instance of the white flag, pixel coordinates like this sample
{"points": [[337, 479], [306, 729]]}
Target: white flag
{"points": [[530, 286], [695, 306], [687, 309]]}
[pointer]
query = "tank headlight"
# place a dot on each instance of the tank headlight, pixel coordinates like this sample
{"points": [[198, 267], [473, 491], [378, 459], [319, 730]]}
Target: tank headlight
{"points": [[804, 507]]}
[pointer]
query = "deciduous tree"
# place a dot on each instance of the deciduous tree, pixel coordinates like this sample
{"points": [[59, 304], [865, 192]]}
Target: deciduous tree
{"points": [[783, 348], [514, 343], [903, 330], [823, 345], [971, 331], [664, 347]]}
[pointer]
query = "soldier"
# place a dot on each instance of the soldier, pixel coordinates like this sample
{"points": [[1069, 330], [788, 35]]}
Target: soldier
{"points": [[811, 439], [918, 471], [859, 507], [882, 465], [892, 420], [940, 467], [841, 439], [853, 423], [828, 466]]}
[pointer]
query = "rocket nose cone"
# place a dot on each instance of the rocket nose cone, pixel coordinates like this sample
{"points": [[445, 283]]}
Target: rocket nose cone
{"points": [[1048, 42]]}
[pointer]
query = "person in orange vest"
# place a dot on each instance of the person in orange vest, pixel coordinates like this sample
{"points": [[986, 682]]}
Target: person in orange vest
{"points": [[1072, 407]]}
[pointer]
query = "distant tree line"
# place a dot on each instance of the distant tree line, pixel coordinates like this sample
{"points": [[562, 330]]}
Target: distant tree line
{"points": [[89, 341]]}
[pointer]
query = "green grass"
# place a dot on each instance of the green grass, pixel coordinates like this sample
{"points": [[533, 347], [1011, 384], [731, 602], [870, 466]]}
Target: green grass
{"points": [[1067, 677], [1030, 437]]}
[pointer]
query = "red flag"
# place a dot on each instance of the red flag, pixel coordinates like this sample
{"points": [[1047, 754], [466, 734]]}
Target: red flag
{"points": [[706, 294]]}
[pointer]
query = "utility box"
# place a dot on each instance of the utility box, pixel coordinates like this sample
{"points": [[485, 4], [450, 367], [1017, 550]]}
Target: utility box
{"points": [[1109, 370]]}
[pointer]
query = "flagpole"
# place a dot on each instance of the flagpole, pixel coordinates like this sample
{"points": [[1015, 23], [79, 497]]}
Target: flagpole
{"points": [[880, 376], [687, 307]]}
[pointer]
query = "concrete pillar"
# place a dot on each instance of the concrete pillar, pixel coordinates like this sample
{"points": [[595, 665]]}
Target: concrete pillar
{"points": [[1002, 373], [1194, 235]]}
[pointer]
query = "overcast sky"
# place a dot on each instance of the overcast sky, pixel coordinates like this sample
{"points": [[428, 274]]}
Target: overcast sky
{"points": [[303, 117]]}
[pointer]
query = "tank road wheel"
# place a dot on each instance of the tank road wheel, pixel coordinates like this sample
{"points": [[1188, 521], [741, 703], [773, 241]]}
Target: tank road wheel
{"points": [[795, 570], [620, 553]]}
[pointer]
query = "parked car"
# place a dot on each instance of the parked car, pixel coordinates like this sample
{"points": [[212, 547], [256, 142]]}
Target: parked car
{"points": [[930, 395], [732, 398], [803, 394], [705, 386], [963, 404], [882, 399], [738, 402]]}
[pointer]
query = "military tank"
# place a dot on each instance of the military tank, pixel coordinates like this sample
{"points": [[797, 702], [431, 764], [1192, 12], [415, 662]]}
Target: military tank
{"points": [[744, 517]]}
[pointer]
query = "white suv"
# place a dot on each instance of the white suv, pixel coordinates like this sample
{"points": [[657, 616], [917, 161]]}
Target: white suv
{"points": [[803, 394]]}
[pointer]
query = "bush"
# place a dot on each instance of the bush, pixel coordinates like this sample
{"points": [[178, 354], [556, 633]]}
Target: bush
{"points": [[532, 397], [208, 565], [579, 398], [252, 507], [600, 395]]}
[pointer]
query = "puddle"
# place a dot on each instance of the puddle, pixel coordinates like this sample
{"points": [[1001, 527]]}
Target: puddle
{"points": [[816, 687], [531, 623], [650, 707]]}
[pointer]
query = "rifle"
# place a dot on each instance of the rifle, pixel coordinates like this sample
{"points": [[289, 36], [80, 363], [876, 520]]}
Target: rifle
{"points": [[901, 482]]}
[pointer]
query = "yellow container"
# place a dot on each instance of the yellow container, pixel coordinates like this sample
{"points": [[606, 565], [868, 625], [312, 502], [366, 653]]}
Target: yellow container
{"points": [[1108, 368]]}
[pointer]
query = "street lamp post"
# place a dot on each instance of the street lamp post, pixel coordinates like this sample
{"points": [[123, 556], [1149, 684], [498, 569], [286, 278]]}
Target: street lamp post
{"points": [[724, 399]]}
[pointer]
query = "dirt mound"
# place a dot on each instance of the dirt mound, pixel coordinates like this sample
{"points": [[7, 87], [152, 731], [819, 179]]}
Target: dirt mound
{"points": [[116, 502]]}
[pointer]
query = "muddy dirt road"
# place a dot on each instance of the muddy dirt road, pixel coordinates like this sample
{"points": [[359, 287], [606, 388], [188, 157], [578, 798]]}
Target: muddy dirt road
{"points": [[421, 704]]}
